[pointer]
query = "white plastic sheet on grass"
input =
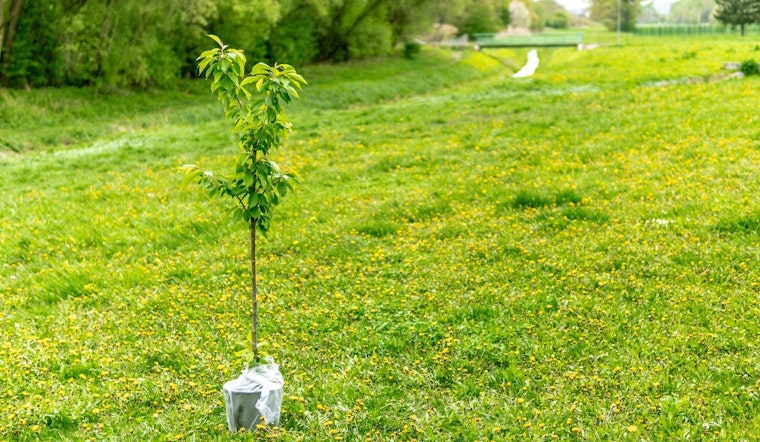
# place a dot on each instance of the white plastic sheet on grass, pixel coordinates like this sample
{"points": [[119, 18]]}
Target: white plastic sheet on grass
{"points": [[530, 67]]}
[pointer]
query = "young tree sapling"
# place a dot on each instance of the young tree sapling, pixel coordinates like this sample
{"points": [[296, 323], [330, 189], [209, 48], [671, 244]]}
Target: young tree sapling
{"points": [[254, 102]]}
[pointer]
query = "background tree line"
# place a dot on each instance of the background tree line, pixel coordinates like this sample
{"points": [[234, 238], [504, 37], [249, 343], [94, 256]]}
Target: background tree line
{"points": [[153, 42], [606, 12], [734, 13]]}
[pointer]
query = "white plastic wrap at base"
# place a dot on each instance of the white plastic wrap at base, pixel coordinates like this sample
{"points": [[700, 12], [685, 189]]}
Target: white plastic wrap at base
{"points": [[257, 392]]}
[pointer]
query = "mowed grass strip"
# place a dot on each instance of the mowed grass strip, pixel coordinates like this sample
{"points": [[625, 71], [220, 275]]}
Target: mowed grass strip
{"points": [[570, 256]]}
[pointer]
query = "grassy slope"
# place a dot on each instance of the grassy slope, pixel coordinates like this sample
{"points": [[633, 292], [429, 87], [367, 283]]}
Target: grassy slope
{"points": [[568, 256]]}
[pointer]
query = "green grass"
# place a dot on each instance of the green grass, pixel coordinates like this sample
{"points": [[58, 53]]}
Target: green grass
{"points": [[470, 257]]}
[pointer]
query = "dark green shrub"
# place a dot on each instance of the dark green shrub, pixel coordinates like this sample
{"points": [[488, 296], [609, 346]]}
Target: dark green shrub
{"points": [[558, 20], [411, 50], [749, 67]]}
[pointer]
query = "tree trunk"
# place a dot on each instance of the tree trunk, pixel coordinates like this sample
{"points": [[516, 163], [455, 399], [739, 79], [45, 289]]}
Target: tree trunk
{"points": [[8, 32], [254, 298], [103, 43], [2, 27]]}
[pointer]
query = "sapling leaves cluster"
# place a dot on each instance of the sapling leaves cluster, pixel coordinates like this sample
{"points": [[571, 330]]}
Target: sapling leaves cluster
{"points": [[257, 183], [254, 102]]}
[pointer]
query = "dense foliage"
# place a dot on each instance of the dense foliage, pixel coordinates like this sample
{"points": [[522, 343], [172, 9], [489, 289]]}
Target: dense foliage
{"points": [[738, 12], [690, 11], [749, 67], [608, 12], [551, 14], [83, 42]]}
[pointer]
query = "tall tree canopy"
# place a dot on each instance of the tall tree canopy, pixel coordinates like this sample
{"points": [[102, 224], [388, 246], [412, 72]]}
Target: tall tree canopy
{"points": [[606, 12], [738, 12], [135, 43], [690, 11], [552, 14], [51, 42]]}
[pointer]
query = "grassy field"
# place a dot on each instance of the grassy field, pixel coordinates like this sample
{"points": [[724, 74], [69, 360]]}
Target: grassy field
{"points": [[572, 256]]}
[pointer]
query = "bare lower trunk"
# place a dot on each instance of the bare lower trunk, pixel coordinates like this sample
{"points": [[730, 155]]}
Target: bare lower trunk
{"points": [[8, 31], [254, 298], [2, 27]]}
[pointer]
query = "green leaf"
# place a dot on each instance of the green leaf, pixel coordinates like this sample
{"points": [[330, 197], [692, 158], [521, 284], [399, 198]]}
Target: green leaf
{"points": [[298, 80], [282, 188], [216, 39], [274, 167], [240, 63], [203, 64], [189, 168], [227, 83], [260, 68], [237, 214], [211, 53]]}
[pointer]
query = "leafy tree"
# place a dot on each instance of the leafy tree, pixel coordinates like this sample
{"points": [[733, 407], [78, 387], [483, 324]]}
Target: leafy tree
{"points": [[552, 14], [649, 14], [738, 12], [689, 11], [482, 18], [449, 12], [235, 18], [519, 14], [138, 45], [503, 10], [408, 17], [33, 57], [606, 12], [558, 20], [10, 13], [475, 16], [350, 24], [344, 29], [132, 43], [331, 30], [100, 41], [257, 183], [295, 38]]}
